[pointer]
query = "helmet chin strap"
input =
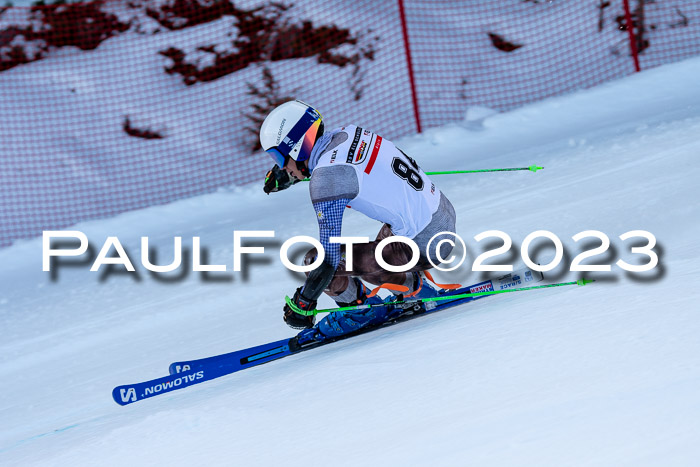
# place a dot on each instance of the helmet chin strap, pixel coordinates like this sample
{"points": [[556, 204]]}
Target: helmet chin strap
{"points": [[303, 169]]}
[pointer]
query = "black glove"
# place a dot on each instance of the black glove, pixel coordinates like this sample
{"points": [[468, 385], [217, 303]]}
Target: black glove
{"points": [[296, 320], [278, 179]]}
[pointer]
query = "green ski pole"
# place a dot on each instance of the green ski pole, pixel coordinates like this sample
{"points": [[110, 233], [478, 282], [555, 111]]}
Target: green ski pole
{"points": [[532, 168], [580, 282]]}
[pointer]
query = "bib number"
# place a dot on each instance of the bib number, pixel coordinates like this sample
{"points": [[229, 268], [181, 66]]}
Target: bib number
{"points": [[408, 173]]}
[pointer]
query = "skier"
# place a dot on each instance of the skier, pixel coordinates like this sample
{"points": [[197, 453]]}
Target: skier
{"points": [[356, 168]]}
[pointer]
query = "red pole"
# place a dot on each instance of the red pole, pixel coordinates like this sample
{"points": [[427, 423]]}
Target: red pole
{"points": [[411, 79], [630, 31]]}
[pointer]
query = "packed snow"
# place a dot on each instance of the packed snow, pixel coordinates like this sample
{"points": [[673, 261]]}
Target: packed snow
{"points": [[605, 374]]}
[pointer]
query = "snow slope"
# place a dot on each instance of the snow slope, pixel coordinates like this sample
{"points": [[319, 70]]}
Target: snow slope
{"points": [[602, 375]]}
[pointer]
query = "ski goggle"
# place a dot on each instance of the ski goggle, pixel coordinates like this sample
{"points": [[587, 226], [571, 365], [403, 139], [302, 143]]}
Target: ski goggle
{"points": [[279, 158], [306, 128]]}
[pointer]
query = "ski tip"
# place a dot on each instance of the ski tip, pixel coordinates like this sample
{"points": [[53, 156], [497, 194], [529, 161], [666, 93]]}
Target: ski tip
{"points": [[535, 168], [124, 395], [584, 281]]}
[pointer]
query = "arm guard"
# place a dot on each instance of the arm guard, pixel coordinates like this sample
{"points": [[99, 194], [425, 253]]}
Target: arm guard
{"points": [[317, 281]]}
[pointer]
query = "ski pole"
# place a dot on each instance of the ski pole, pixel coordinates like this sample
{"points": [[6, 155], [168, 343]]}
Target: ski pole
{"points": [[532, 168], [580, 282]]}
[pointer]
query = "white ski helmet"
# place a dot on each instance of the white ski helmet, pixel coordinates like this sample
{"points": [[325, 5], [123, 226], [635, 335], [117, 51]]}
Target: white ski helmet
{"points": [[291, 130]]}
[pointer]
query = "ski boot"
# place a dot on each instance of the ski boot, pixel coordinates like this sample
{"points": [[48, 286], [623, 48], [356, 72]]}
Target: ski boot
{"points": [[339, 323]]}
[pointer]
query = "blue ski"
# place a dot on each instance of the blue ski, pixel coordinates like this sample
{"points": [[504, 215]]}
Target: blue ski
{"points": [[234, 361], [188, 373]]}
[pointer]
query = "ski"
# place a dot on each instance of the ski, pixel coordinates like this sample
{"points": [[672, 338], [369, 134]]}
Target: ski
{"points": [[187, 373], [252, 356]]}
